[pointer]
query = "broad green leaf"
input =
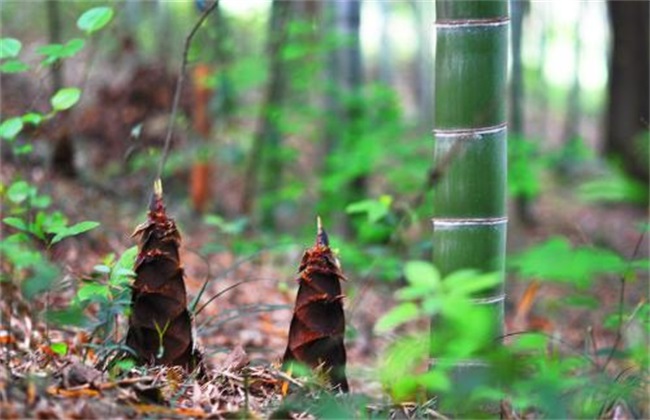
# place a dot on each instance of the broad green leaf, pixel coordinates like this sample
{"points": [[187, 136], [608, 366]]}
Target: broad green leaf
{"points": [[51, 222], [22, 149], [10, 128], [435, 380], [94, 19], [93, 292], [555, 260], [397, 316], [398, 364], [42, 277], [9, 47], [641, 265], [19, 191], [615, 187], [122, 271], [102, 269], [72, 47], [234, 227], [73, 230], [17, 223], [422, 273], [41, 201], [414, 292], [32, 118], [375, 209], [54, 52], [59, 348], [70, 316], [13, 249], [524, 167], [65, 98], [470, 282], [13, 66], [530, 341]]}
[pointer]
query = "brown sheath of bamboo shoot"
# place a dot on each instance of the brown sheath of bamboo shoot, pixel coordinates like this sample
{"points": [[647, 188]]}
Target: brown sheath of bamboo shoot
{"points": [[160, 326], [318, 324]]}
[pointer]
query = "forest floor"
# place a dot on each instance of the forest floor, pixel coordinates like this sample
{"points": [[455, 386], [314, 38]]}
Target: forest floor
{"points": [[248, 325], [243, 333]]}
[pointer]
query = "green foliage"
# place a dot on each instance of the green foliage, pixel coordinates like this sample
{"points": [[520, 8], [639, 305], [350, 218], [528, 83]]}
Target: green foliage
{"points": [[107, 290], [234, 227], [91, 21], [9, 47], [13, 66], [524, 167], [56, 52], [462, 328], [615, 186], [62, 232], [27, 211], [555, 260], [375, 210], [95, 19], [49, 227], [535, 372], [10, 128], [65, 98], [37, 227]]}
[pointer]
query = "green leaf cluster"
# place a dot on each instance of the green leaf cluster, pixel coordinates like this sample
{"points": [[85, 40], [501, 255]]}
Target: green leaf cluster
{"points": [[462, 328], [556, 260], [37, 227]]}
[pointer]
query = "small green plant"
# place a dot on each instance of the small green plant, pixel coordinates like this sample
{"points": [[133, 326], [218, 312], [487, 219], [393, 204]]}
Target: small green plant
{"points": [[535, 372], [36, 225], [37, 229], [65, 98], [109, 288], [462, 330], [524, 167]]}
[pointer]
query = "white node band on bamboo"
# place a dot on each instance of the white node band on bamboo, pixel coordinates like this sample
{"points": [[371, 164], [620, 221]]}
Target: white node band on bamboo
{"points": [[464, 23], [470, 133], [456, 223]]}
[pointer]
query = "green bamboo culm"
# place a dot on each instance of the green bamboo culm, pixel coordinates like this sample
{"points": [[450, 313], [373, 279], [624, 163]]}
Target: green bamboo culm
{"points": [[469, 222]]}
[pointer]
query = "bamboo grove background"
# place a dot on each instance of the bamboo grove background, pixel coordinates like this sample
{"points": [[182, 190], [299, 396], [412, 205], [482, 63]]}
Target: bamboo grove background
{"points": [[480, 168]]}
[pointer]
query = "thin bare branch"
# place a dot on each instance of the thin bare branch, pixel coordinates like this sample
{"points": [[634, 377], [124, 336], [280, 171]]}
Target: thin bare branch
{"points": [[179, 86]]}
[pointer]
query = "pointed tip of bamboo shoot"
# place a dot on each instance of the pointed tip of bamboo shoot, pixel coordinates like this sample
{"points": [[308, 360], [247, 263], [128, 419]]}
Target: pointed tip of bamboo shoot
{"points": [[321, 235], [157, 188], [156, 203]]}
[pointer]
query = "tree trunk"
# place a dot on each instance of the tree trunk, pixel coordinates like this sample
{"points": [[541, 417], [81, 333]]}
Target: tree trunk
{"points": [[469, 221], [627, 115], [385, 50], [572, 121], [423, 87], [265, 154], [63, 154], [345, 79], [518, 8], [54, 29]]}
